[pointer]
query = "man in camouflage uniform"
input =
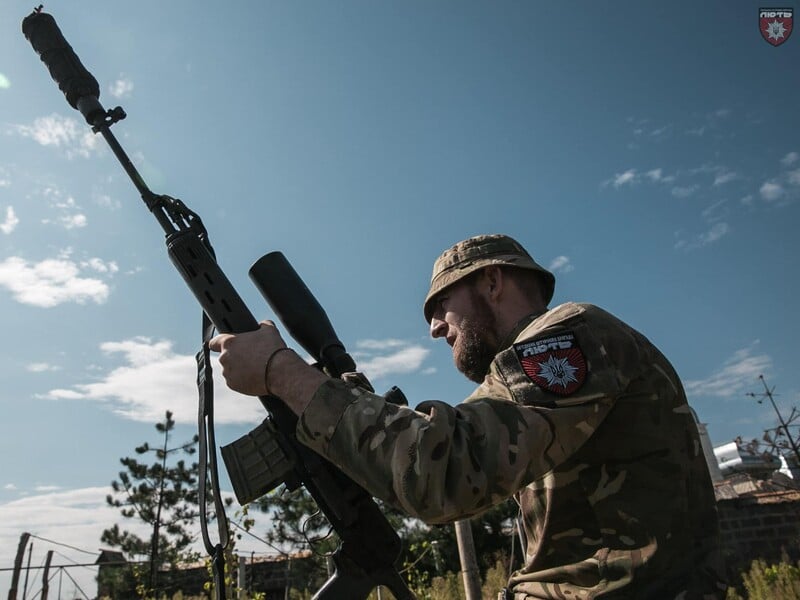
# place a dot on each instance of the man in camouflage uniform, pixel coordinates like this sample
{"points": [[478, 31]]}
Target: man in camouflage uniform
{"points": [[576, 415]]}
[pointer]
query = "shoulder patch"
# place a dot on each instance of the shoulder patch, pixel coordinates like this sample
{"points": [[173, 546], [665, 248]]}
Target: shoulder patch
{"points": [[555, 363]]}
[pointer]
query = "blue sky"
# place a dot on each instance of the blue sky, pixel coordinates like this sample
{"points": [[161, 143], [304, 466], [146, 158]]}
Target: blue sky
{"points": [[646, 152]]}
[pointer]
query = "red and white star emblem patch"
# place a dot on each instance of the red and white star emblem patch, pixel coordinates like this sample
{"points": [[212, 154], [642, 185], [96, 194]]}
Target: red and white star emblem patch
{"points": [[776, 24], [555, 363]]}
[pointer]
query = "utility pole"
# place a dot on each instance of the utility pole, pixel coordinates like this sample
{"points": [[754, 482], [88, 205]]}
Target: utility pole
{"points": [[27, 572], [45, 581], [784, 424], [23, 542], [469, 564]]}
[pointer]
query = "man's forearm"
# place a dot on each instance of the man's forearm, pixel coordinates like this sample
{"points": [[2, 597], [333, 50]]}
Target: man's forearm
{"points": [[293, 380]]}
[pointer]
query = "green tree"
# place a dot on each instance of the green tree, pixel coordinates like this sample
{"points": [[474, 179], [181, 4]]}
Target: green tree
{"points": [[162, 494]]}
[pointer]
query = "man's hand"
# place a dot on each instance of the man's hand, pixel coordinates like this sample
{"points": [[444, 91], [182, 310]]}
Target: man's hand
{"points": [[244, 356], [244, 359]]}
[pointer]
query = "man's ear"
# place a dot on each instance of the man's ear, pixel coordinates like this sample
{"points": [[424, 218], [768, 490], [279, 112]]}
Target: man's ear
{"points": [[494, 282]]}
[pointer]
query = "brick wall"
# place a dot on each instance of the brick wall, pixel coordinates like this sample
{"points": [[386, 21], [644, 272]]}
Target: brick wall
{"points": [[758, 524]]}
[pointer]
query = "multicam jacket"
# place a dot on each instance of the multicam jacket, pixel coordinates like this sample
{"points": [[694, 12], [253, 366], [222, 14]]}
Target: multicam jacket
{"points": [[586, 424]]}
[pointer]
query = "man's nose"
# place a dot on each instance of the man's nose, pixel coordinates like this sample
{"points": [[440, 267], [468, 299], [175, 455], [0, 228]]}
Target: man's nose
{"points": [[438, 328]]}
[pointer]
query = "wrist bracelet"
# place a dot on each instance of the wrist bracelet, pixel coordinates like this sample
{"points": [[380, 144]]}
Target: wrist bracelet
{"points": [[267, 365]]}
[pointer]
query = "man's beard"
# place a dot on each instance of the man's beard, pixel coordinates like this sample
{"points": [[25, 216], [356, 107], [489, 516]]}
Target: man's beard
{"points": [[473, 352]]}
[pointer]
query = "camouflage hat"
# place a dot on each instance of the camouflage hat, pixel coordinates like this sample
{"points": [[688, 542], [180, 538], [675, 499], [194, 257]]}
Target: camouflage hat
{"points": [[481, 251]]}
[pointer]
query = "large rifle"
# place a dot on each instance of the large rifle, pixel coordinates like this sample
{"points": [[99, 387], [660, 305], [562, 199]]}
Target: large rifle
{"points": [[270, 454]]}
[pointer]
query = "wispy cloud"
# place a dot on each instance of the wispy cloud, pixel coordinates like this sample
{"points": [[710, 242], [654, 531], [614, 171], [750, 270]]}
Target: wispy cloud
{"points": [[11, 221], [99, 265], [716, 232], [61, 132], [735, 377], [658, 176], [633, 177], [713, 212], [73, 221], [50, 282], [627, 177], [724, 177], [153, 377], [771, 191], [561, 264], [41, 367], [121, 88], [683, 191], [47, 488], [781, 188], [69, 216], [381, 358], [4, 82]]}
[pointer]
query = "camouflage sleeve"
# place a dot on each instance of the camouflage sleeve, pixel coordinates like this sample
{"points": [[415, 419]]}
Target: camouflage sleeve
{"points": [[442, 462]]}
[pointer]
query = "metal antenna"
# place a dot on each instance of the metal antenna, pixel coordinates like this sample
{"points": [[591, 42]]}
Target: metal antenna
{"points": [[768, 393]]}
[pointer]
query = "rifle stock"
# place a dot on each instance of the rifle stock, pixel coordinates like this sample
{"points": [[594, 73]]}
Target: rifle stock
{"points": [[271, 454]]}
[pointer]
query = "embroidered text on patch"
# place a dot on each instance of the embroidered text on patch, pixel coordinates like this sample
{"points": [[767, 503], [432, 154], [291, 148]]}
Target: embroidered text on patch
{"points": [[555, 363]]}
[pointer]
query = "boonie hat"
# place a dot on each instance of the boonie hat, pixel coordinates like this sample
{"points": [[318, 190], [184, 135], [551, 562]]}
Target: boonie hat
{"points": [[477, 252]]}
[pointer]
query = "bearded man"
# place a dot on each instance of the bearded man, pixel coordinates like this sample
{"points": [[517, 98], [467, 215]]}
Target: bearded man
{"points": [[577, 416]]}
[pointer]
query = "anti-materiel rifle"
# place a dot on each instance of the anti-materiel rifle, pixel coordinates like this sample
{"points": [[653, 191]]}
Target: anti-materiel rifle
{"points": [[270, 454]]}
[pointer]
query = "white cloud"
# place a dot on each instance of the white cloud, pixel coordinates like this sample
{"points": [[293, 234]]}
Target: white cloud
{"points": [[106, 201], [621, 179], [381, 358], [716, 232], [60, 132], [121, 88], [561, 264], [660, 131], [724, 177], [380, 344], [771, 191], [41, 367], [73, 221], [11, 221], [50, 282], [69, 218], [711, 212], [101, 266], [654, 175], [10, 487], [406, 360], [794, 177], [790, 159], [47, 488], [153, 378], [683, 191], [737, 374]]}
